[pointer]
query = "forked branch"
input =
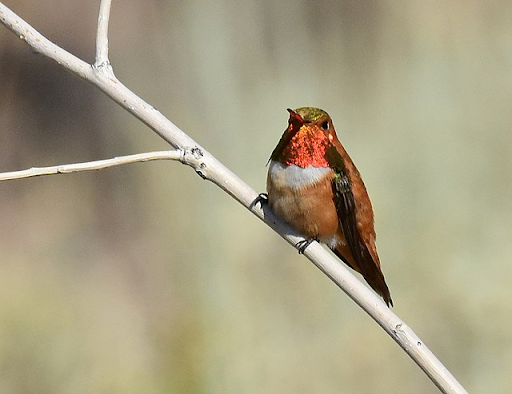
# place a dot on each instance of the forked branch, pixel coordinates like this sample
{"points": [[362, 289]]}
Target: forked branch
{"points": [[191, 153]]}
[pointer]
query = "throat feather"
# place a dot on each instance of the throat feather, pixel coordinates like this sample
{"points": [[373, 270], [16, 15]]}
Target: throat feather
{"points": [[306, 149]]}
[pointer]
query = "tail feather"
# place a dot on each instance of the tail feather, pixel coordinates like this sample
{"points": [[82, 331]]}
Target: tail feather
{"points": [[368, 268]]}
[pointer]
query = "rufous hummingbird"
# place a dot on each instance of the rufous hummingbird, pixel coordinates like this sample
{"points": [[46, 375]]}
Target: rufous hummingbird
{"points": [[314, 186]]}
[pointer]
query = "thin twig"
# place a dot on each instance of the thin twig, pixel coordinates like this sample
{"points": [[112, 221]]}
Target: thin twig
{"points": [[102, 34], [208, 167], [91, 165]]}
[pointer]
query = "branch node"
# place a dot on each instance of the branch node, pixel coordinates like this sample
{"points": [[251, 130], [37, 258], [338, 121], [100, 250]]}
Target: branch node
{"points": [[103, 70], [197, 153], [200, 170], [192, 157], [104, 65], [183, 156]]}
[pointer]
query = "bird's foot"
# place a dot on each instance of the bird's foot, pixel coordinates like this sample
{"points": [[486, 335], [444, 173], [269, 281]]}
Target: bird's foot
{"points": [[261, 199], [302, 245]]}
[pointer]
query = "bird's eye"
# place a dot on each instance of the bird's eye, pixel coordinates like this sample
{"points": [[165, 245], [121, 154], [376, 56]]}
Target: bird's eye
{"points": [[325, 125]]}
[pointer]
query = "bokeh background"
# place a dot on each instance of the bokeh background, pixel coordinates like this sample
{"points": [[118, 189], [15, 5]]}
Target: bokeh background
{"points": [[146, 279]]}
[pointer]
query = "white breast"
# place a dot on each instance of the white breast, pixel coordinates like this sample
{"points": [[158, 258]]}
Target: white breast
{"points": [[284, 176]]}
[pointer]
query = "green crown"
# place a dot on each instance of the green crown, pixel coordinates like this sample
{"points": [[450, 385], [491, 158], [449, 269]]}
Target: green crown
{"points": [[311, 114]]}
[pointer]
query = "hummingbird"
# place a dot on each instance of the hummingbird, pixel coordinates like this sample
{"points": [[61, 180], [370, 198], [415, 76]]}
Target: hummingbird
{"points": [[313, 185]]}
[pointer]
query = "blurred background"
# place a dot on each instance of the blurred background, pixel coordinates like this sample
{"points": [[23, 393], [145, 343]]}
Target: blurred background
{"points": [[146, 279]]}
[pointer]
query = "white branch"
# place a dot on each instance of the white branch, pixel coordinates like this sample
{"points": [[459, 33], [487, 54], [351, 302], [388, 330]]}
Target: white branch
{"points": [[211, 169], [91, 165], [102, 34]]}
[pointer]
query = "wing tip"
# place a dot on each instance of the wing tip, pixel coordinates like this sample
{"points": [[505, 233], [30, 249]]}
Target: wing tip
{"points": [[386, 296]]}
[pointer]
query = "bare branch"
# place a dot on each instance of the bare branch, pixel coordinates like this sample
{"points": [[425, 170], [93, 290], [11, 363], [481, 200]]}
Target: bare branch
{"points": [[208, 167], [102, 34], [42, 45], [91, 165]]}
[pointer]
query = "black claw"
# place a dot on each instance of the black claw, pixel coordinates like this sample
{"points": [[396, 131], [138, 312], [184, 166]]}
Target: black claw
{"points": [[261, 199], [302, 245]]}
